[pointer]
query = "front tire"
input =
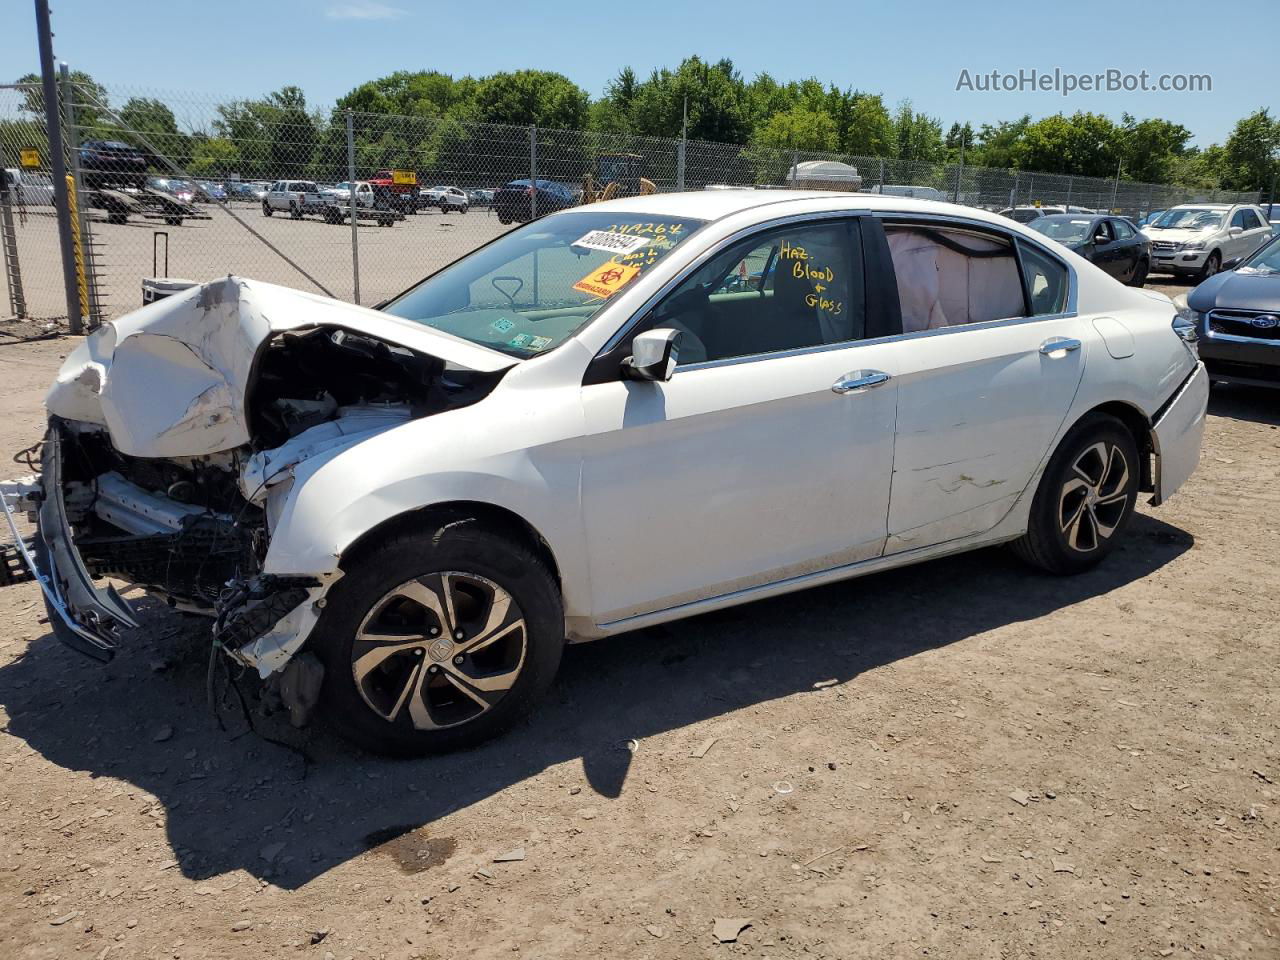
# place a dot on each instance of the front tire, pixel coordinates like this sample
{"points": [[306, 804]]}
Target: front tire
{"points": [[1085, 499], [1212, 264], [438, 637], [266, 209]]}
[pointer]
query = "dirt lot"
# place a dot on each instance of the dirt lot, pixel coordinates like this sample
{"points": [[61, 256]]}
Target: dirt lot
{"points": [[961, 759], [390, 259]]}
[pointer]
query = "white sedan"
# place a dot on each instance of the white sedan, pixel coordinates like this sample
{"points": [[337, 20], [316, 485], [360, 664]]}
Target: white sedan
{"points": [[606, 419]]}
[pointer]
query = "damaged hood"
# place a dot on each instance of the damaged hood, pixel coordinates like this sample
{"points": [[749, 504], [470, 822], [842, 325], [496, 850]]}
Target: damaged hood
{"points": [[171, 379]]}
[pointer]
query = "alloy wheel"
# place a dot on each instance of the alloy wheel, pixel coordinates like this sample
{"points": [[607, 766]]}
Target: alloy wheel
{"points": [[439, 650], [1093, 500]]}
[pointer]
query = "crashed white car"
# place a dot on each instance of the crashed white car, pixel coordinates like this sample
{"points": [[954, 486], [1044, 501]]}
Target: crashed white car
{"points": [[606, 419]]}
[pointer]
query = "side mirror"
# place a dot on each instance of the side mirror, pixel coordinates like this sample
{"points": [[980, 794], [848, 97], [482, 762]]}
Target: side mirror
{"points": [[1232, 263], [1236, 231], [653, 355]]}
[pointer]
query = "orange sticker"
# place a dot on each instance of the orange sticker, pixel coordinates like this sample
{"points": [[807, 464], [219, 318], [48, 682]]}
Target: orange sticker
{"points": [[607, 279]]}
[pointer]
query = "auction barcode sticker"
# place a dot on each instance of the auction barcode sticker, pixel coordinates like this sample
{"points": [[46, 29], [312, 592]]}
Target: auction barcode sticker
{"points": [[610, 242]]}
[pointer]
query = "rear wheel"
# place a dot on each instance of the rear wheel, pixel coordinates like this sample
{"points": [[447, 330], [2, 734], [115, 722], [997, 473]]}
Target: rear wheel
{"points": [[439, 637], [1085, 499], [294, 212], [1140, 273], [266, 209], [464, 208]]}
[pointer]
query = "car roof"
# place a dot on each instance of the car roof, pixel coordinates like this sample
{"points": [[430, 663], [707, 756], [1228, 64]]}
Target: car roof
{"points": [[715, 204], [1205, 206], [1079, 216]]}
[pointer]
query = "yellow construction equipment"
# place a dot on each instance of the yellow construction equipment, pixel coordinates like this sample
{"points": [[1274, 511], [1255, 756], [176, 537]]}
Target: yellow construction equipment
{"points": [[616, 175]]}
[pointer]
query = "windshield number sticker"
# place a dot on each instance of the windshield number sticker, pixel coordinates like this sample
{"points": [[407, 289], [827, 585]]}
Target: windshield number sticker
{"points": [[502, 324], [610, 242], [519, 340], [607, 279], [539, 343]]}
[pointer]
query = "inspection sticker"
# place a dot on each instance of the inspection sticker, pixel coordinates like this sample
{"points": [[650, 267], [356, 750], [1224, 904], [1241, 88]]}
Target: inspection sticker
{"points": [[502, 324], [606, 279], [611, 242]]}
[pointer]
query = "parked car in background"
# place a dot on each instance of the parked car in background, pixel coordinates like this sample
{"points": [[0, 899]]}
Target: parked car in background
{"points": [[1273, 216], [1237, 313], [516, 200], [1112, 243], [111, 163], [247, 191], [1197, 238], [403, 514], [298, 197], [1149, 218], [1027, 214], [27, 188], [178, 189], [446, 198], [480, 197], [207, 191]]}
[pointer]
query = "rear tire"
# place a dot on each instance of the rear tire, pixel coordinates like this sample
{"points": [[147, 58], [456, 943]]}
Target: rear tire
{"points": [[1085, 499], [393, 685], [266, 209], [1140, 273], [294, 212]]}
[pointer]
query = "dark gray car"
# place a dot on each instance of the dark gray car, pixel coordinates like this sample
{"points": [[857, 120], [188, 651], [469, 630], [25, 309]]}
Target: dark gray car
{"points": [[1237, 313]]}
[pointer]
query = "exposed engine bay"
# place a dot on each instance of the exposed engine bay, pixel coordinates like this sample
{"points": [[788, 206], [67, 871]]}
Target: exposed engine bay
{"points": [[195, 529], [186, 527]]}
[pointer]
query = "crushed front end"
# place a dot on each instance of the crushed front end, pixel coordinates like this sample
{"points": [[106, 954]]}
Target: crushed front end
{"points": [[173, 438]]}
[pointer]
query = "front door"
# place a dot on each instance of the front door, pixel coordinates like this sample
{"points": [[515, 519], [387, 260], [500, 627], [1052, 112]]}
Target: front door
{"points": [[767, 455]]}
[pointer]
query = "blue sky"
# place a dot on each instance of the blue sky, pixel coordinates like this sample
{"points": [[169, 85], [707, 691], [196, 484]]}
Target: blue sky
{"points": [[910, 51]]}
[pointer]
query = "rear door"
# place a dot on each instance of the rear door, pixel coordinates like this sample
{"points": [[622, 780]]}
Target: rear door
{"points": [[990, 363]]}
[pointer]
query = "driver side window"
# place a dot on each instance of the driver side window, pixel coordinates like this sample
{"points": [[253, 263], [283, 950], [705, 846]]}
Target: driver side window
{"points": [[790, 288]]}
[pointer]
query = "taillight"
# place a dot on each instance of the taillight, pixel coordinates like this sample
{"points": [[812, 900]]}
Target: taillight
{"points": [[528, 192]]}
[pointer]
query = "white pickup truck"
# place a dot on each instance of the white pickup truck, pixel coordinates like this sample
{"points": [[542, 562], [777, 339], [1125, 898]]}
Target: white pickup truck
{"points": [[28, 189], [296, 196]]}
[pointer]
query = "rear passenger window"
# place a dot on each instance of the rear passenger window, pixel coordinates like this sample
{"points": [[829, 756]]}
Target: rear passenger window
{"points": [[1047, 281], [949, 277], [798, 287], [1123, 230]]}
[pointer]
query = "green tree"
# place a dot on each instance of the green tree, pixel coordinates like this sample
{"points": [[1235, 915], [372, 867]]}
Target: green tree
{"points": [[715, 95], [214, 157], [1249, 157], [799, 129], [1084, 144], [532, 96], [1150, 148], [918, 136], [146, 120], [89, 93]]}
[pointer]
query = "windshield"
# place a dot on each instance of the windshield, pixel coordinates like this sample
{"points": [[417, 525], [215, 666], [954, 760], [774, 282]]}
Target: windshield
{"points": [[532, 289], [1064, 231], [1191, 218], [344, 186], [1266, 261]]}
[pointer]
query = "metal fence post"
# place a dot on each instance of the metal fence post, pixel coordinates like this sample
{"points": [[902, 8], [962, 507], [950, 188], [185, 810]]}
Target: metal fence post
{"points": [[87, 254], [680, 148], [1071, 181], [58, 162], [9, 249], [882, 174], [533, 171], [351, 208]]}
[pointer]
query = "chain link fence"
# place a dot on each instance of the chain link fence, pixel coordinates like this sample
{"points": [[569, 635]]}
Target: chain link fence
{"points": [[361, 205]]}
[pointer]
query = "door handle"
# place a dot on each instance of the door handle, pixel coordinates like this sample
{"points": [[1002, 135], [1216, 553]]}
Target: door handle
{"points": [[1059, 346], [859, 380]]}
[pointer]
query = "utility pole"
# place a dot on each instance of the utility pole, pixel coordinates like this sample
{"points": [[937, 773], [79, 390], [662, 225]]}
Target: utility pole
{"points": [[960, 171], [58, 165]]}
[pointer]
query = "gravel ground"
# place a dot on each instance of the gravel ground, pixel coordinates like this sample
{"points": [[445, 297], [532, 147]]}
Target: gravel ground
{"points": [[960, 759]]}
